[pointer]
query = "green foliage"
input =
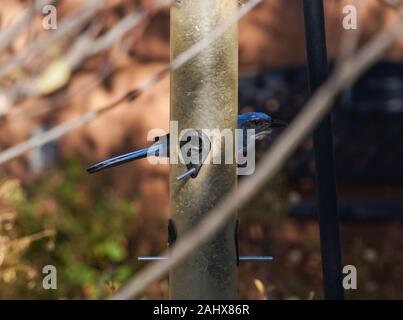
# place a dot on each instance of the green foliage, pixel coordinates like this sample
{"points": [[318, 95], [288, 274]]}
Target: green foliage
{"points": [[92, 225]]}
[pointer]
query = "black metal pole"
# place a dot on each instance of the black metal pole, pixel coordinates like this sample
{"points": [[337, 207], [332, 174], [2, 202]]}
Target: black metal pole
{"points": [[324, 158]]}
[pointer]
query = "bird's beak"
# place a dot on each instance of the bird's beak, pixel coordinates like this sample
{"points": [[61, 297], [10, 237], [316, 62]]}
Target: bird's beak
{"points": [[278, 123]]}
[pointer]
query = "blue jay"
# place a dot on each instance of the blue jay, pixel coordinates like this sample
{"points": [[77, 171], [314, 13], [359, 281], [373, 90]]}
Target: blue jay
{"points": [[262, 123]]}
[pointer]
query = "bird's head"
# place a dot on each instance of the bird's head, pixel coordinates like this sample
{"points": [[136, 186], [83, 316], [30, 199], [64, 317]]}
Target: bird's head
{"points": [[262, 123]]}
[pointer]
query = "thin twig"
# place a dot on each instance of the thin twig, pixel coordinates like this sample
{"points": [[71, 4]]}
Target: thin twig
{"points": [[69, 24], [101, 74], [396, 4], [51, 135], [84, 47]]}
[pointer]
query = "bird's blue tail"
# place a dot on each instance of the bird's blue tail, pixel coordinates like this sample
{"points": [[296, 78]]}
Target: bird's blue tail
{"points": [[135, 155]]}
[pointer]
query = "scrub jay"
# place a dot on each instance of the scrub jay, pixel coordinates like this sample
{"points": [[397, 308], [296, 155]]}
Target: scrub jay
{"points": [[262, 123]]}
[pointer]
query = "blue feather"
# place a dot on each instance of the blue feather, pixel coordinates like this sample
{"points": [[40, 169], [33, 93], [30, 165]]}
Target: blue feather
{"points": [[258, 121]]}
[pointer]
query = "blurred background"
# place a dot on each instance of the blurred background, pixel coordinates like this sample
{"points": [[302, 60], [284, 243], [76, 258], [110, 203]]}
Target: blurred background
{"points": [[93, 228]]}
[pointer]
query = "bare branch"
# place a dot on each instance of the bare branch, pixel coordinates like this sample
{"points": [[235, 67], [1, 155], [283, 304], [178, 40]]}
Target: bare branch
{"points": [[101, 73], [396, 4], [88, 47], [83, 48], [50, 135], [69, 24]]}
